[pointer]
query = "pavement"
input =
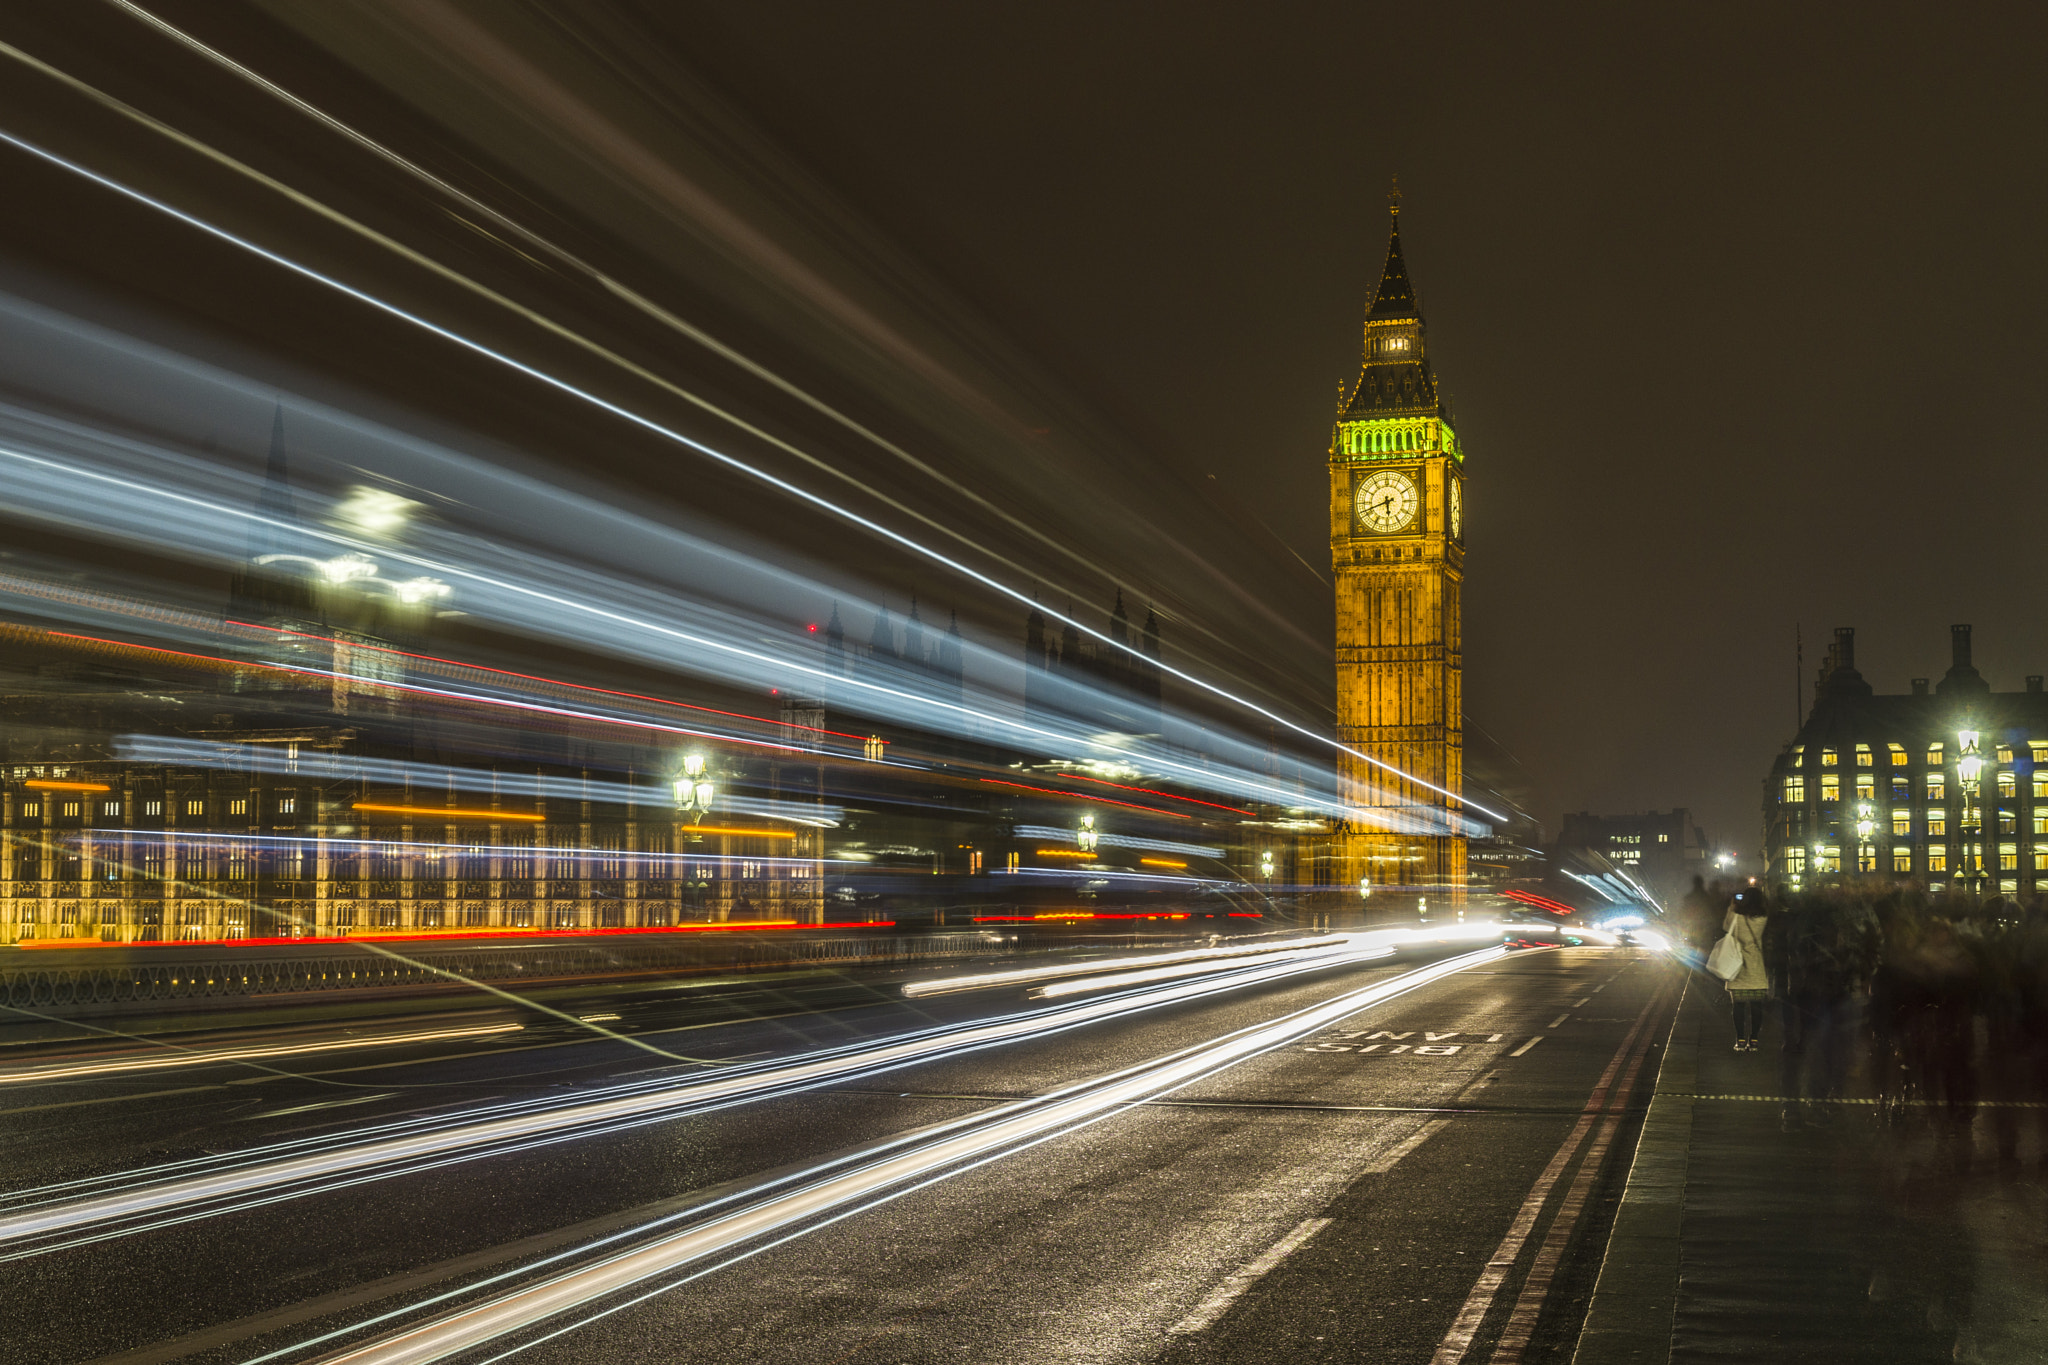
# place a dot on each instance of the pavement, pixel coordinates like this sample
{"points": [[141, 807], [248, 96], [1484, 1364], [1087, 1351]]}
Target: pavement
{"points": [[1757, 1227]]}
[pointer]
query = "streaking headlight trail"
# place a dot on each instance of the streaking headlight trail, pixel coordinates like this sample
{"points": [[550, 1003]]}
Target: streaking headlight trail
{"points": [[260, 1176], [889, 1170]]}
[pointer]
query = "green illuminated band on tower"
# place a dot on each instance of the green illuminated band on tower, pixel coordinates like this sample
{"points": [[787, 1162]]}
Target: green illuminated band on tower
{"points": [[1395, 438]]}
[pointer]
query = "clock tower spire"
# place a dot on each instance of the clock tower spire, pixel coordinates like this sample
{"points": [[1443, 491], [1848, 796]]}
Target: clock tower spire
{"points": [[1397, 546]]}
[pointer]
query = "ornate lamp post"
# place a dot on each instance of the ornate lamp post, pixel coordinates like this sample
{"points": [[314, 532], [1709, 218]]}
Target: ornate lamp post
{"points": [[694, 790], [1969, 772], [1085, 838], [1866, 824]]}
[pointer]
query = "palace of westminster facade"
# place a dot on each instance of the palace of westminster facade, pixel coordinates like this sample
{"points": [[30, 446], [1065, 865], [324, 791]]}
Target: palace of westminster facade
{"points": [[1944, 785]]}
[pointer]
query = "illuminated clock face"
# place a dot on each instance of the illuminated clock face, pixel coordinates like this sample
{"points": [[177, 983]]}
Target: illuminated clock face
{"points": [[1385, 502], [1457, 510]]}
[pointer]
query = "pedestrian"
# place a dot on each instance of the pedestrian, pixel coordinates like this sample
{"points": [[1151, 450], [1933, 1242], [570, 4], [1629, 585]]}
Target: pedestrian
{"points": [[1749, 988]]}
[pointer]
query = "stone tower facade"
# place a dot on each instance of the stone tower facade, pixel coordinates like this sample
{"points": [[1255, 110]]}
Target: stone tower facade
{"points": [[1397, 546]]}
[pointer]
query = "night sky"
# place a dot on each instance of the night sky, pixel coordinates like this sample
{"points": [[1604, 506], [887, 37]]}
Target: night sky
{"points": [[1740, 307]]}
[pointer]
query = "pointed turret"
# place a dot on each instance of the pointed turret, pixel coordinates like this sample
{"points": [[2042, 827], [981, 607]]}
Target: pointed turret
{"points": [[913, 637], [1395, 298], [1394, 379], [882, 645], [269, 591], [835, 642], [952, 664], [1120, 621]]}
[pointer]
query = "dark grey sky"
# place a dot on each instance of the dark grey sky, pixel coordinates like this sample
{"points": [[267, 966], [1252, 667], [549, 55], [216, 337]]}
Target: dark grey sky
{"points": [[1741, 306]]}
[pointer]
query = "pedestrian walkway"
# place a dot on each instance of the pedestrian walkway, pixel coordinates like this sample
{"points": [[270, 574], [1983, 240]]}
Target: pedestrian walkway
{"points": [[1750, 1233]]}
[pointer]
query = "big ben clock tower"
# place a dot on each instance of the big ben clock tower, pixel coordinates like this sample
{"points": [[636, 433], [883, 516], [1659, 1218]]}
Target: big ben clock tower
{"points": [[1397, 545]]}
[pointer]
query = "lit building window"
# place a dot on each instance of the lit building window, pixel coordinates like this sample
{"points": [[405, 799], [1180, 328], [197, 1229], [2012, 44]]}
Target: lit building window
{"points": [[152, 808], [1827, 758], [2040, 858], [195, 808], [2041, 784], [1863, 756], [1902, 859], [873, 748], [1663, 838], [1934, 759], [1898, 752], [1830, 786], [71, 808], [1866, 787], [2008, 857], [110, 808], [1794, 861], [2008, 823], [238, 807], [2009, 887], [2005, 753], [1902, 821], [1827, 858], [287, 805], [31, 809], [1866, 858], [1937, 857], [1936, 785], [2041, 822], [1795, 791], [2007, 785]]}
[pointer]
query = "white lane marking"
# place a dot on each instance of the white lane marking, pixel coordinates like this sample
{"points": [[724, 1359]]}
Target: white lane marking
{"points": [[640, 1105], [1408, 1144], [1581, 1004], [323, 1104], [1233, 1286], [1526, 1046], [1557, 1022], [886, 1169], [221, 1056]]}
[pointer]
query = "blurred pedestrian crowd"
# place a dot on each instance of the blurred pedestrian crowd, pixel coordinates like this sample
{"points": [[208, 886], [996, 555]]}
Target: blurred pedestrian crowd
{"points": [[1939, 1001]]}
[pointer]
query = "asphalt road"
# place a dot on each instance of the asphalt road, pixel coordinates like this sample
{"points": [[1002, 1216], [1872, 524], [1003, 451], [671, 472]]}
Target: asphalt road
{"points": [[1338, 1195]]}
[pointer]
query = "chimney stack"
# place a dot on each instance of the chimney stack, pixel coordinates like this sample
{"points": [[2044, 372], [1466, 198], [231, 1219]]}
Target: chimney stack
{"points": [[1919, 687], [1959, 646], [1844, 653], [2034, 683]]}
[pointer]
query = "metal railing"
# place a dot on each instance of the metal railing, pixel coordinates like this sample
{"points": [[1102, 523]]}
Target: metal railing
{"points": [[154, 977]]}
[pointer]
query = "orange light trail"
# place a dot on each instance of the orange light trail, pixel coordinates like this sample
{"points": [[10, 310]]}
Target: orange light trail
{"points": [[741, 829], [449, 812], [1161, 862], [43, 785], [442, 935], [1060, 853], [1077, 796]]}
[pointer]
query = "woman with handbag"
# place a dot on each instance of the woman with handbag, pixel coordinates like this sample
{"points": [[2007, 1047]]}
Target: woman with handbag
{"points": [[1738, 959]]}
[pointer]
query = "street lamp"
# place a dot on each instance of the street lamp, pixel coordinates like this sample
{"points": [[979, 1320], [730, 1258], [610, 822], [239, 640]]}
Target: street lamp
{"points": [[1969, 769], [1085, 837], [1865, 824], [694, 792], [1266, 865]]}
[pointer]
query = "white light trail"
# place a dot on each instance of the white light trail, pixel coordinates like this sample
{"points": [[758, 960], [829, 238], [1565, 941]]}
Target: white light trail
{"points": [[894, 1171], [648, 424], [1025, 976], [212, 1057], [1088, 985], [392, 1155]]}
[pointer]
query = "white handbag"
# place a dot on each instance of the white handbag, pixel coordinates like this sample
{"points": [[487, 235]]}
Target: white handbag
{"points": [[1725, 958]]}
